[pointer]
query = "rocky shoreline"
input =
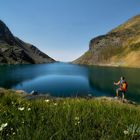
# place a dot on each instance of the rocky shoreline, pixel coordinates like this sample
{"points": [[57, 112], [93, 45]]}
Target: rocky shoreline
{"points": [[35, 95]]}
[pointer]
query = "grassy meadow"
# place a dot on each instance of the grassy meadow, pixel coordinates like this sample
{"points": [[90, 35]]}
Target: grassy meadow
{"points": [[66, 119]]}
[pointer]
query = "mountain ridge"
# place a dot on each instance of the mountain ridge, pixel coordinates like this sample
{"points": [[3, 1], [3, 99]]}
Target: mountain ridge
{"points": [[15, 51], [119, 47]]}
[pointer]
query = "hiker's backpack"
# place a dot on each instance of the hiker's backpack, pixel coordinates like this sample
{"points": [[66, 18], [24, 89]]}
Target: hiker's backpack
{"points": [[124, 86]]}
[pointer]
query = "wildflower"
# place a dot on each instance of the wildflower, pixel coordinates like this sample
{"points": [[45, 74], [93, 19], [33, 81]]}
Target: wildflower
{"points": [[29, 109], [21, 108], [55, 104], [78, 122], [125, 132], [3, 126], [47, 101], [14, 133], [76, 118]]}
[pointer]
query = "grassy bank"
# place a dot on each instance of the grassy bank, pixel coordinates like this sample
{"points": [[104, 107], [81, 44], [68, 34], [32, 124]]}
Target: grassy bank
{"points": [[66, 119]]}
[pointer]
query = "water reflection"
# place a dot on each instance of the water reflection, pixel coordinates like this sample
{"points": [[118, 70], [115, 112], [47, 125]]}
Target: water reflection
{"points": [[60, 79], [57, 85], [102, 78]]}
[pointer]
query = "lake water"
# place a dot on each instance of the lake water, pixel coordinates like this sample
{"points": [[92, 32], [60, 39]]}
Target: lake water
{"points": [[67, 80]]}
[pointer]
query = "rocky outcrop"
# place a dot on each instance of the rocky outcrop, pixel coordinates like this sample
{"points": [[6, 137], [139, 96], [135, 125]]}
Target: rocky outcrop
{"points": [[119, 47], [15, 51]]}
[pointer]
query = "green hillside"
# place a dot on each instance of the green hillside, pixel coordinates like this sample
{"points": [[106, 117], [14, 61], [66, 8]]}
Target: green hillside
{"points": [[119, 47]]}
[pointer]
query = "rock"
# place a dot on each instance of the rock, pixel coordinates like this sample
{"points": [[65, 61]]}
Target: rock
{"points": [[34, 93], [116, 99], [20, 91]]}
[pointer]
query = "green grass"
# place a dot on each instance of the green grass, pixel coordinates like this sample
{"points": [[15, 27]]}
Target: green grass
{"points": [[66, 119]]}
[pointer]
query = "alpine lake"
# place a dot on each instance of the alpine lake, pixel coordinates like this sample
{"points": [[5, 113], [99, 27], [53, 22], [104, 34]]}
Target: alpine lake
{"points": [[68, 80]]}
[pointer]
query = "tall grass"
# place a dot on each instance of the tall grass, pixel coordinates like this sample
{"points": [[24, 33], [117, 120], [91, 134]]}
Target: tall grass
{"points": [[66, 119]]}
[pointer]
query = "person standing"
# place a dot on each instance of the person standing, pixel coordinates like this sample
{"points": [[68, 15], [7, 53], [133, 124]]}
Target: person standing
{"points": [[122, 87]]}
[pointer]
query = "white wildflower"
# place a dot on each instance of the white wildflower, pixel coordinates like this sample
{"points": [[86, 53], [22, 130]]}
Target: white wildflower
{"points": [[47, 101], [55, 104], [21, 108], [3, 126], [76, 118], [125, 132], [29, 109], [14, 133], [77, 123]]}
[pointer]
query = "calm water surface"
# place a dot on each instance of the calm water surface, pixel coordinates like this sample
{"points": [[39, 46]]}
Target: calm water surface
{"points": [[67, 80]]}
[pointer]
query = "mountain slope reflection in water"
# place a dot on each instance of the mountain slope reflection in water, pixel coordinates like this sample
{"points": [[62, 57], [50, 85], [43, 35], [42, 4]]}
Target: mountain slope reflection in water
{"points": [[57, 85]]}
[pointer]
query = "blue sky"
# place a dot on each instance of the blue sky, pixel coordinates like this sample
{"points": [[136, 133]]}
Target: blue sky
{"points": [[63, 28]]}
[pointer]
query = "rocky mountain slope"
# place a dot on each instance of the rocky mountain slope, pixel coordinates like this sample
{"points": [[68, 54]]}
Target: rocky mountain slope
{"points": [[15, 51], [119, 47]]}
